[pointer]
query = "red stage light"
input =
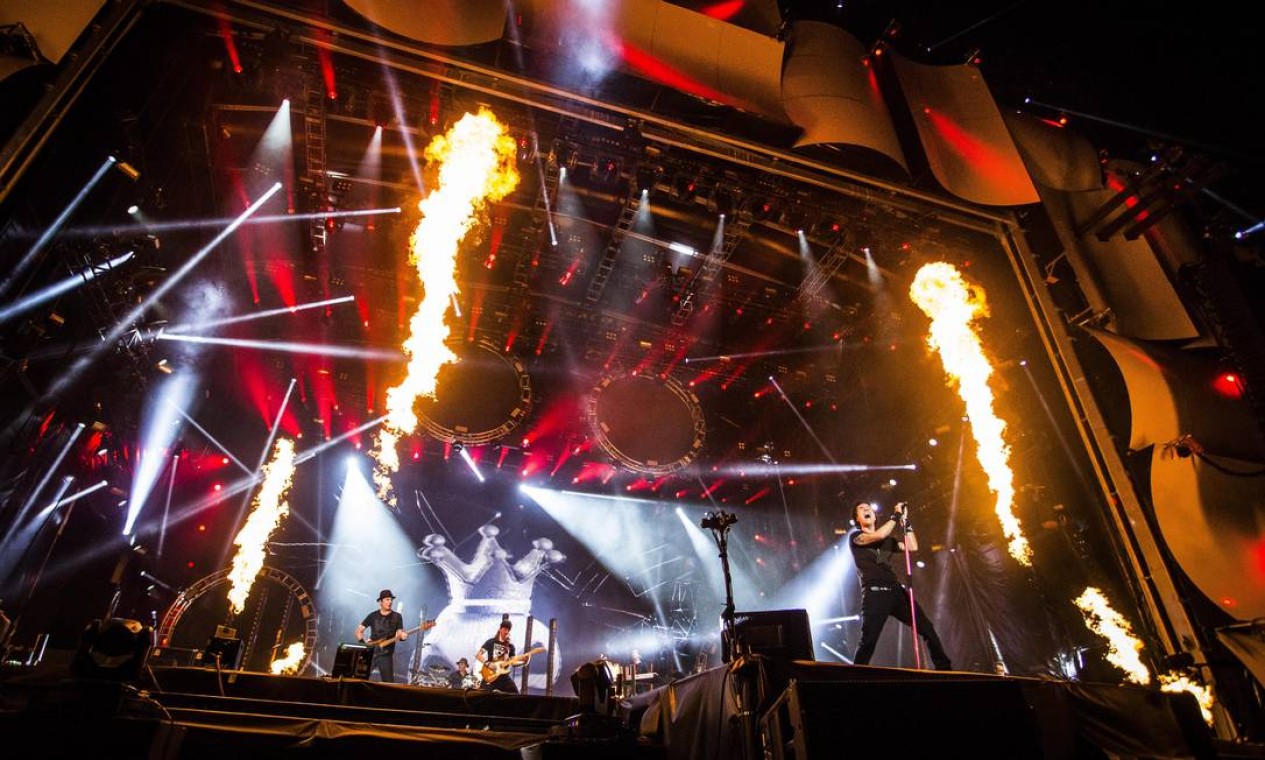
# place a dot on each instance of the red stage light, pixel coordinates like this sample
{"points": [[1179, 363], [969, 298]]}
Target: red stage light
{"points": [[1228, 385]]}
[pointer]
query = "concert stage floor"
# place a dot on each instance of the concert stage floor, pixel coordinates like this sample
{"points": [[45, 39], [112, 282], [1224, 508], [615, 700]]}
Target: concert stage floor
{"points": [[758, 708]]}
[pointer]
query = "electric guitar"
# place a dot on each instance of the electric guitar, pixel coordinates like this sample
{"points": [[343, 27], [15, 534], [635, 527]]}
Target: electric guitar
{"points": [[426, 626], [494, 669]]}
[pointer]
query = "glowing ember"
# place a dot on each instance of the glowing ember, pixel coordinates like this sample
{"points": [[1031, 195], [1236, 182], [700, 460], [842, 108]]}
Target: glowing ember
{"points": [[476, 165], [291, 661], [1174, 682], [269, 509], [952, 305], [1122, 647]]}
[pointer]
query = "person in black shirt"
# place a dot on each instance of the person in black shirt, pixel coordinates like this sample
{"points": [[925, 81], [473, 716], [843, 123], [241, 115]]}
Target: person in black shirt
{"points": [[496, 654], [382, 628], [882, 595], [461, 677]]}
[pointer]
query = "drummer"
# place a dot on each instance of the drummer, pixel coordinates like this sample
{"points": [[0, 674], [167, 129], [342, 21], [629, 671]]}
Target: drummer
{"points": [[461, 677]]}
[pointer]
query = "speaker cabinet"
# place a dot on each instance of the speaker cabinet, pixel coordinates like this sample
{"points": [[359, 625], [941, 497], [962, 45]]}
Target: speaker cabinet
{"points": [[352, 661], [780, 635]]}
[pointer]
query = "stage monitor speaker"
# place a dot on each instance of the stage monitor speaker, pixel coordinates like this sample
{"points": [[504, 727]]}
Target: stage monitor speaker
{"points": [[780, 635], [352, 661], [113, 650]]}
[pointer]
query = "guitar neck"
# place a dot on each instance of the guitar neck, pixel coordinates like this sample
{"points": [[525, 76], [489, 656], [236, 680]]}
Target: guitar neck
{"points": [[387, 639]]}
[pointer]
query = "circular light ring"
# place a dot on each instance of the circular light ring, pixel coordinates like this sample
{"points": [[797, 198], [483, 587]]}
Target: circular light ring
{"points": [[217, 584], [480, 398], [652, 407]]}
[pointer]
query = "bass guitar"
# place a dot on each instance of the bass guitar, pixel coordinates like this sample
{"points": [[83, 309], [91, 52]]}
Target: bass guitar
{"points": [[426, 626], [494, 669]]}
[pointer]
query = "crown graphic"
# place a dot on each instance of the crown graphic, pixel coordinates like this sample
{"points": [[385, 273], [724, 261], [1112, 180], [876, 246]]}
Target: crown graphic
{"points": [[489, 579]]}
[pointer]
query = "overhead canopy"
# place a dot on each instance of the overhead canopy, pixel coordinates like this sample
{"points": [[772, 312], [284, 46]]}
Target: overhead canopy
{"points": [[1210, 510], [968, 147], [831, 93], [55, 25], [438, 22]]}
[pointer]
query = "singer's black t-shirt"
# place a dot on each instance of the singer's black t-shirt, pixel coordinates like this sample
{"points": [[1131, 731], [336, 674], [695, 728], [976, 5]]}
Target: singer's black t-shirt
{"points": [[874, 561]]}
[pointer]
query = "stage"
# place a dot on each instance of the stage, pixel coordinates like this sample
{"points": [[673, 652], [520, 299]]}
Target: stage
{"points": [[752, 708]]}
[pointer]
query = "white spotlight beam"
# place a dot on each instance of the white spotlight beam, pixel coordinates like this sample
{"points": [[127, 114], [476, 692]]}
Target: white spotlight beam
{"points": [[288, 347], [171, 485], [213, 440], [56, 289], [29, 257], [761, 470], [61, 455], [465, 454], [304, 456], [779, 352], [107, 341], [204, 326], [77, 495], [197, 224], [802, 421]]}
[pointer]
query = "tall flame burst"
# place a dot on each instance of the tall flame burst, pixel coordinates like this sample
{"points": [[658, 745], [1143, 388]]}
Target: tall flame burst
{"points": [[1122, 646], [290, 662], [269, 509], [476, 165], [952, 305]]}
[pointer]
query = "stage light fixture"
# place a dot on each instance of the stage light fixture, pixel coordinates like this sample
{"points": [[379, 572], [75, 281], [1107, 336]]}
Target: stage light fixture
{"points": [[594, 685], [113, 650]]}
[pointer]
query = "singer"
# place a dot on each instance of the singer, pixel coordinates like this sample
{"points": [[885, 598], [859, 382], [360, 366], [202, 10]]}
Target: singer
{"points": [[882, 595]]}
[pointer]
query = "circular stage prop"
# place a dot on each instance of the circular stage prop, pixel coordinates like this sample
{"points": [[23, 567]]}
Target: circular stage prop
{"points": [[278, 612], [648, 424], [479, 398]]}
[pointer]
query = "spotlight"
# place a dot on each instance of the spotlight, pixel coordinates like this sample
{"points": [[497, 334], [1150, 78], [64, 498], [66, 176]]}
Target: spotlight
{"points": [[113, 650], [594, 684], [133, 209]]}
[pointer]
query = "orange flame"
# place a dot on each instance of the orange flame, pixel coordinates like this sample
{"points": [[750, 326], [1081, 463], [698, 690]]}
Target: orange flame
{"points": [[1123, 647], [944, 296], [290, 662], [476, 165], [269, 510]]}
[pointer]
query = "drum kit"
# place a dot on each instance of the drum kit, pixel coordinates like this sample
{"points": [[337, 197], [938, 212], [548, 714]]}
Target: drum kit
{"points": [[436, 676]]}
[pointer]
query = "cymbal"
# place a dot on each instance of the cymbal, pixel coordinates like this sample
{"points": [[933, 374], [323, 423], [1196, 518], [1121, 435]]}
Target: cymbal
{"points": [[439, 668]]}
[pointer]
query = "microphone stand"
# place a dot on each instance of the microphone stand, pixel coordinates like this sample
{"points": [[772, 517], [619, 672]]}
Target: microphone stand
{"points": [[909, 580], [719, 524]]}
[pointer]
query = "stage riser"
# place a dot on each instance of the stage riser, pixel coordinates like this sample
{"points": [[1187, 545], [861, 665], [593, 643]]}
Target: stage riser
{"points": [[980, 719]]}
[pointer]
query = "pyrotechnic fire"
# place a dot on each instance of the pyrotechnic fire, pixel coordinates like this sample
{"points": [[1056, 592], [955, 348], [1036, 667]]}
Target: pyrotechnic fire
{"points": [[291, 661], [943, 295], [1122, 646], [476, 165], [1175, 682], [269, 509]]}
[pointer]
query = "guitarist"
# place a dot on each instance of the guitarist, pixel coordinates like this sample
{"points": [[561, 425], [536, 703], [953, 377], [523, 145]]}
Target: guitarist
{"points": [[381, 629], [498, 649]]}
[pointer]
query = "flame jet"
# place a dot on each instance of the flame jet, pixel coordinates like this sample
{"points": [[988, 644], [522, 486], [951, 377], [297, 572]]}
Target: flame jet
{"points": [[475, 160], [952, 305], [269, 510]]}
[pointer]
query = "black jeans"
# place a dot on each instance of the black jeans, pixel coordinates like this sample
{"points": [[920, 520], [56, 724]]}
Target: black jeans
{"points": [[384, 662], [503, 683], [880, 603]]}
